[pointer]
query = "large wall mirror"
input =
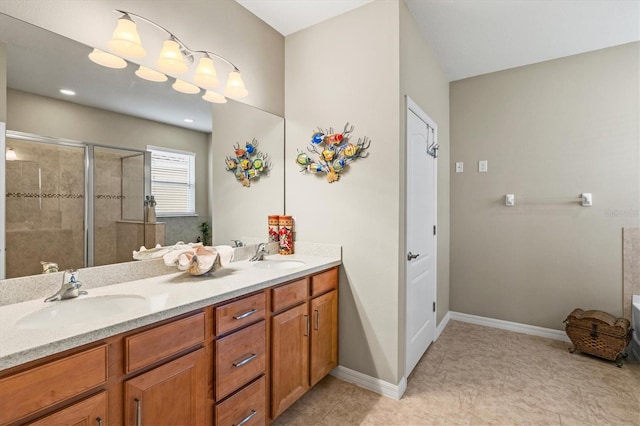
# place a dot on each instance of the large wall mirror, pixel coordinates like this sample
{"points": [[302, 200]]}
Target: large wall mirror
{"points": [[104, 131]]}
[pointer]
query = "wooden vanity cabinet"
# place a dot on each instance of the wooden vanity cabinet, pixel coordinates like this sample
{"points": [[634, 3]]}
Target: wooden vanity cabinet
{"points": [[240, 361], [304, 336], [172, 394]]}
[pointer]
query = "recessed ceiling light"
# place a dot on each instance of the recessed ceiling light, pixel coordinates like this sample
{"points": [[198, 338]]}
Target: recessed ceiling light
{"points": [[188, 120], [67, 92]]}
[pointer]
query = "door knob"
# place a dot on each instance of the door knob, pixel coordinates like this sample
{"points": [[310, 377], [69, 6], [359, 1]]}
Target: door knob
{"points": [[412, 256]]}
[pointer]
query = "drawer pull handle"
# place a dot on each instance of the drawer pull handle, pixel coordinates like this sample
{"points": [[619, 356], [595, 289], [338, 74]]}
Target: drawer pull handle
{"points": [[246, 314], [317, 319], [99, 421], [246, 360], [138, 412], [246, 419]]}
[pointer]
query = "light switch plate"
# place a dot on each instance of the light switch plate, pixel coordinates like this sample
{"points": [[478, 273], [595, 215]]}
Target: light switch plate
{"points": [[459, 167], [483, 166]]}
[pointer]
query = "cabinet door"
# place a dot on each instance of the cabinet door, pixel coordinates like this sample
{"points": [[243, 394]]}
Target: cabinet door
{"points": [[172, 394], [89, 412], [324, 335], [289, 357]]}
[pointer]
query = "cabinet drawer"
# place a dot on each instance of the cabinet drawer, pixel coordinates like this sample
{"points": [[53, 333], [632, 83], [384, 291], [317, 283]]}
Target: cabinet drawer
{"points": [[161, 342], [234, 315], [324, 282], [288, 295], [44, 386], [248, 405], [240, 358], [91, 411]]}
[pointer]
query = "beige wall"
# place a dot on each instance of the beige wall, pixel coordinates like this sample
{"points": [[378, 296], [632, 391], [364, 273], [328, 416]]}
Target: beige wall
{"points": [[550, 131], [242, 211], [346, 70], [50, 117], [422, 79], [220, 26]]}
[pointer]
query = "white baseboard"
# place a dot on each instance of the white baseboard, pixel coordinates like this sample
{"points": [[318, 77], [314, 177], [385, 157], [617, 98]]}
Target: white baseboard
{"points": [[440, 328], [371, 383], [511, 326]]}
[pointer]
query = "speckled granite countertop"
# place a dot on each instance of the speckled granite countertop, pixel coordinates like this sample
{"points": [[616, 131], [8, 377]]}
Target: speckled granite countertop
{"points": [[165, 296]]}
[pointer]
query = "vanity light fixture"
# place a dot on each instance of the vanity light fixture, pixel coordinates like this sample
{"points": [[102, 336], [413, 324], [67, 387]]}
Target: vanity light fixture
{"points": [[149, 74], [184, 87], [107, 59], [175, 59], [10, 155], [214, 97]]}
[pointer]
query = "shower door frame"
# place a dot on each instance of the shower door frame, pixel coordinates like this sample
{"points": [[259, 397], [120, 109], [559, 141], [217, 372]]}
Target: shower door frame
{"points": [[89, 190]]}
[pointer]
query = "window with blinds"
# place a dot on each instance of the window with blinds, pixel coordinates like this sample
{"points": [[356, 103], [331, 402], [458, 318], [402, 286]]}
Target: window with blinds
{"points": [[173, 181]]}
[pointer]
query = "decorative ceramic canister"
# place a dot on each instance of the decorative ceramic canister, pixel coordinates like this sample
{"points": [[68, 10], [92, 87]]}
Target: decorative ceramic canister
{"points": [[274, 236], [286, 234]]}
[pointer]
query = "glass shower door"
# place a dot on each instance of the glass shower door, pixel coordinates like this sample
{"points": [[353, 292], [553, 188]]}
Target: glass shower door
{"points": [[118, 213]]}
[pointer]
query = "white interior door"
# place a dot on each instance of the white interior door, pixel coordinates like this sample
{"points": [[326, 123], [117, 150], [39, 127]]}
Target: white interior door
{"points": [[421, 238]]}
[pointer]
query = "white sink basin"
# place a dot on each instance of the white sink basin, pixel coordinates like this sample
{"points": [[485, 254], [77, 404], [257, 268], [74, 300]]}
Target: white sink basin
{"points": [[278, 264], [73, 311]]}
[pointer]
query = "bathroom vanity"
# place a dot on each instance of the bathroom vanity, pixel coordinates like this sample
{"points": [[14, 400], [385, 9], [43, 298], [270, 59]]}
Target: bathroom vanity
{"points": [[237, 348]]}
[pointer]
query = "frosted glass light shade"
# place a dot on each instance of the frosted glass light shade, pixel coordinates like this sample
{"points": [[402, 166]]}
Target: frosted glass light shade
{"points": [[235, 86], [171, 60], [125, 40], [151, 75], [206, 75], [107, 59], [184, 87], [10, 155], [214, 97]]}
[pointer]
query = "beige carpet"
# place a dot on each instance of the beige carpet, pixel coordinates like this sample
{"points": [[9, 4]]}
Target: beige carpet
{"points": [[475, 375]]}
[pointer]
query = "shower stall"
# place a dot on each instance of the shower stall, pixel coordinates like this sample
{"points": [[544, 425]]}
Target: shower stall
{"points": [[73, 203]]}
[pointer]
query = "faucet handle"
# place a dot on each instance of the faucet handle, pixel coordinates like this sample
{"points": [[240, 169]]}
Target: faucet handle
{"points": [[237, 243], [70, 277]]}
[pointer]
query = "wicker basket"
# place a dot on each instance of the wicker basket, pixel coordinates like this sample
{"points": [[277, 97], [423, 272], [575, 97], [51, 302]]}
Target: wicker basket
{"points": [[599, 333]]}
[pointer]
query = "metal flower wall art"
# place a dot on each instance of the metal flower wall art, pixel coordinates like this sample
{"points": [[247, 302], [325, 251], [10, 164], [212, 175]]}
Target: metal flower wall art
{"points": [[248, 163], [330, 153]]}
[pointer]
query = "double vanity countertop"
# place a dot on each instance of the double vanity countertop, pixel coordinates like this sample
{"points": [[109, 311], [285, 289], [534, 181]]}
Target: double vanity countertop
{"points": [[154, 299]]}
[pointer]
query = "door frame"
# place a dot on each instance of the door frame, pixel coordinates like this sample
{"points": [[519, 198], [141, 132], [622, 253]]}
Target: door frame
{"points": [[412, 106]]}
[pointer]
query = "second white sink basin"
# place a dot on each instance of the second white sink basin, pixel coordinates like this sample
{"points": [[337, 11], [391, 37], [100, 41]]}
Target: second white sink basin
{"points": [[278, 264], [72, 311]]}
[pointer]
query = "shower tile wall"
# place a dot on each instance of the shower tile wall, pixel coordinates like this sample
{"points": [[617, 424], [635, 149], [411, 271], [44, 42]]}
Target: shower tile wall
{"points": [[44, 207], [108, 209]]}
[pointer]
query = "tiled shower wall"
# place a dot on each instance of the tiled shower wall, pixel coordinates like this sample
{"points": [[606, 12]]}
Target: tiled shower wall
{"points": [[44, 207], [108, 210]]}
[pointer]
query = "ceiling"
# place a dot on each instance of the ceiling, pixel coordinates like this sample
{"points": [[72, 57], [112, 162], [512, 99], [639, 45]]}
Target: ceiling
{"points": [[473, 37]]}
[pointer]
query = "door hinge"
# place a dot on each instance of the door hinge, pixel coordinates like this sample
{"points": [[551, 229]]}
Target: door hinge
{"points": [[434, 306], [434, 230]]}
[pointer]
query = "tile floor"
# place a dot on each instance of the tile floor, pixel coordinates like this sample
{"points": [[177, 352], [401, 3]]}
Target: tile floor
{"points": [[474, 375]]}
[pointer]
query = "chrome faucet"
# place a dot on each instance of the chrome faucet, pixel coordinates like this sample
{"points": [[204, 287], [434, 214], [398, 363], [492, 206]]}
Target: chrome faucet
{"points": [[237, 243], [261, 251], [70, 287]]}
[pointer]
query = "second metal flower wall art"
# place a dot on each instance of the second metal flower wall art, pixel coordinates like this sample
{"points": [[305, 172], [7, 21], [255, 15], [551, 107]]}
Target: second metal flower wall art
{"points": [[330, 153], [248, 163]]}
